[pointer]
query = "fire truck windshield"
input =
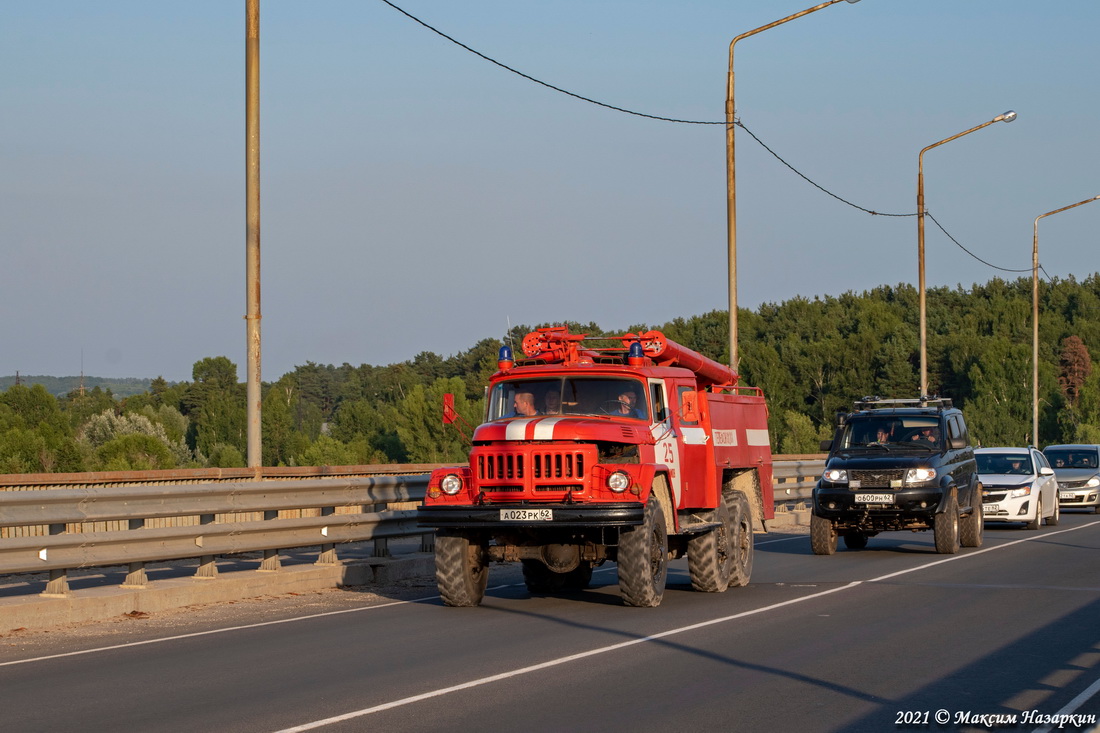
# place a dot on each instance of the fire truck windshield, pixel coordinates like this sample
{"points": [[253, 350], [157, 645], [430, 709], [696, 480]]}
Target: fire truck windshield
{"points": [[612, 396]]}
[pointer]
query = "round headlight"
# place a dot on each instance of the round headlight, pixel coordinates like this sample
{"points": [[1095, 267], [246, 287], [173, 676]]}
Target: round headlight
{"points": [[835, 475], [451, 484], [618, 481], [919, 475]]}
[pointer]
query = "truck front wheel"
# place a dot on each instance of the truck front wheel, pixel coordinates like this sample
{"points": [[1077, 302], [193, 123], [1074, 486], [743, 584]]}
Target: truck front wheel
{"points": [[461, 569], [643, 558]]}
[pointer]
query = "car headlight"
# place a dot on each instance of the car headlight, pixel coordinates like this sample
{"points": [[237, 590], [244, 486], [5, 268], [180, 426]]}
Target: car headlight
{"points": [[835, 475], [451, 484], [919, 475], [1094, 481], [1021, 491], [618, 481]]}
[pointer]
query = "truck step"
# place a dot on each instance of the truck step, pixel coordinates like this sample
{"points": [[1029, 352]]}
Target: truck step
{"points": [[699, 527]]}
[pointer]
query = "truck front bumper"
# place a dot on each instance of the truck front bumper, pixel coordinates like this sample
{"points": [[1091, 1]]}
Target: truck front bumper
{"points": [[531, 516]]}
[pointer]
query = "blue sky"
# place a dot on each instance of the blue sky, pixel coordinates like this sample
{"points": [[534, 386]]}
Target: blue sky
{"points": [[418, 198]]}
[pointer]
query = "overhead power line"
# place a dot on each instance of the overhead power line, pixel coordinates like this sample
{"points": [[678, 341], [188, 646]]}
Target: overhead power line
{"points": [[660, 118]]}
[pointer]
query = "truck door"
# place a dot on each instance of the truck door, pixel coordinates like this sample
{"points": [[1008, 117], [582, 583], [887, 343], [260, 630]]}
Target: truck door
{"points": [[667, 448], [697, 467]]}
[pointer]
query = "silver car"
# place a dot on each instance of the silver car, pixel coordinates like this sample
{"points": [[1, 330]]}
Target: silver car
{"points": [[1077, 467], [1018, 485]]}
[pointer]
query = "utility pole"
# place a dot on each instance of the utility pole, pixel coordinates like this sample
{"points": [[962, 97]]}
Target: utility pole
{"points": [[252, 226]]}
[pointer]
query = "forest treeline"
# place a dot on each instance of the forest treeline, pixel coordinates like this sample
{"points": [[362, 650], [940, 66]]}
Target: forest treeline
{"points": [[811, 357]]}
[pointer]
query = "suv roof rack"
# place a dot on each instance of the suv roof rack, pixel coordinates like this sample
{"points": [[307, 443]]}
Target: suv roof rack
{"points": [[875, 402]]}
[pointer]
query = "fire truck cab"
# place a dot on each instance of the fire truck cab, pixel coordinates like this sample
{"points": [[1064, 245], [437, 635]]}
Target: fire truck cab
{"points": [[639, 453]]}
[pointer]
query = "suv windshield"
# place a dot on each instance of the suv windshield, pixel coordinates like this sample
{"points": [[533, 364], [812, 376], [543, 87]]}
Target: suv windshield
{"points": [[618, 397], [891, 430], [1004, 463], [1067, 458]]}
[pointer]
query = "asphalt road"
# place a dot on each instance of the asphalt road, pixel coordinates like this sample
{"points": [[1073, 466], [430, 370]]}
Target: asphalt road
{"points": [[887, 638]]}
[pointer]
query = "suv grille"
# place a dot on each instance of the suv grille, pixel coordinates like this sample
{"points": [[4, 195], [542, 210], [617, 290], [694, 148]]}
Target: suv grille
{"points": [[879, 479]]}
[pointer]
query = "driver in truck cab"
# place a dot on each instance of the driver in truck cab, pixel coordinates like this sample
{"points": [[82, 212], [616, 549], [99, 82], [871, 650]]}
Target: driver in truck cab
{"points": [[523, 405]]}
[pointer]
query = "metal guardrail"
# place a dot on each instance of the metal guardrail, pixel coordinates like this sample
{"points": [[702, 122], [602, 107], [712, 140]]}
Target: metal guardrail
{"points": [[135, 518]]}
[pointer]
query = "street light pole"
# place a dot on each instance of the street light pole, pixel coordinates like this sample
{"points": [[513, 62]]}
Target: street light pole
{"points": [[731, 178], [1035, 319], [1006, 117]]}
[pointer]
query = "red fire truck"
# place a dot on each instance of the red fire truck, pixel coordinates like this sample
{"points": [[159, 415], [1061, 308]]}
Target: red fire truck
{"points": [[639, 452]]}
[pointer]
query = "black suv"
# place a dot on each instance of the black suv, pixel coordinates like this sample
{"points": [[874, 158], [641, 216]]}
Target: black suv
{"points": [[898, 464]]}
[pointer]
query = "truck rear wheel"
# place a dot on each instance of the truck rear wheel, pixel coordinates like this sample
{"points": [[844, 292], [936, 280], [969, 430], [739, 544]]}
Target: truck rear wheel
{"points": [[822, 535], [461, 570], [643, 558], [710, 555], [740, 538]]}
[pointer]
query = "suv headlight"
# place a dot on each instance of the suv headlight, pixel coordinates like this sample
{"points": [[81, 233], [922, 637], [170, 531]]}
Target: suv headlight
{"points": [[835, 475], [451, 484], [1094, 481], [1022, 491], [618, 481], [919, 475]]}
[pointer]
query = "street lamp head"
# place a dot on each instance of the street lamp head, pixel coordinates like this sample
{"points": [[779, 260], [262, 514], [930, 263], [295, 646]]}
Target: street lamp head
{"points": [[853, 2], [1008, 116]]}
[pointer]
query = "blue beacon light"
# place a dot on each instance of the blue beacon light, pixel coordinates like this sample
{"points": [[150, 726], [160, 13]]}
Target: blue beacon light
{"points": [[504, 358]]}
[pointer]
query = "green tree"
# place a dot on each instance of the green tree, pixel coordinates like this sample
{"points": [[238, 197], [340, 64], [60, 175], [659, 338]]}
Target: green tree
{"points": [[134, 452]]}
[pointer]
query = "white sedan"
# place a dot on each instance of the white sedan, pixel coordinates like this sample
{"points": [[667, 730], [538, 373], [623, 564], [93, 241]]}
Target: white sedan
{"points": [[1018, 485]]}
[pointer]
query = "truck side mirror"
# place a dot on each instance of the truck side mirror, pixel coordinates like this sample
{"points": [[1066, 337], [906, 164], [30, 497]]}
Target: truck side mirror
{"points": [[826, 445], [689, 401], [957, 443], [449, 414]]}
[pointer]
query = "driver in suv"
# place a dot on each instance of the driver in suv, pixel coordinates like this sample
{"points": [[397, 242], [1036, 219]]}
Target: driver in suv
{"points": [[898, 464]]}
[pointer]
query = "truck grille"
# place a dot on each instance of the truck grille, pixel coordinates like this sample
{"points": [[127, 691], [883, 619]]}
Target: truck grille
{"points": [[877, 479], [545, 469]]}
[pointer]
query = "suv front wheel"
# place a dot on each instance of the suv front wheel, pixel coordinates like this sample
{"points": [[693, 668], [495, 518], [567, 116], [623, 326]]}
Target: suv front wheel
{"points": [[822, 535], [945, 529]]}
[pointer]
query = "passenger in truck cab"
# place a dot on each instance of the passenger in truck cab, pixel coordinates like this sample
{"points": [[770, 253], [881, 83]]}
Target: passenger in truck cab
{"points": [[551, 402], [523, 405]]}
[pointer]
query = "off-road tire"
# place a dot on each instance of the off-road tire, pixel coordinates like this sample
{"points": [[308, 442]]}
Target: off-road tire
{"points": [[710, 555], [643, 558], [822, 535], [1034, 523], [972, 527], [855, 540], [1053, 519], [740, 538], [461, 569], [945, 527]]}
